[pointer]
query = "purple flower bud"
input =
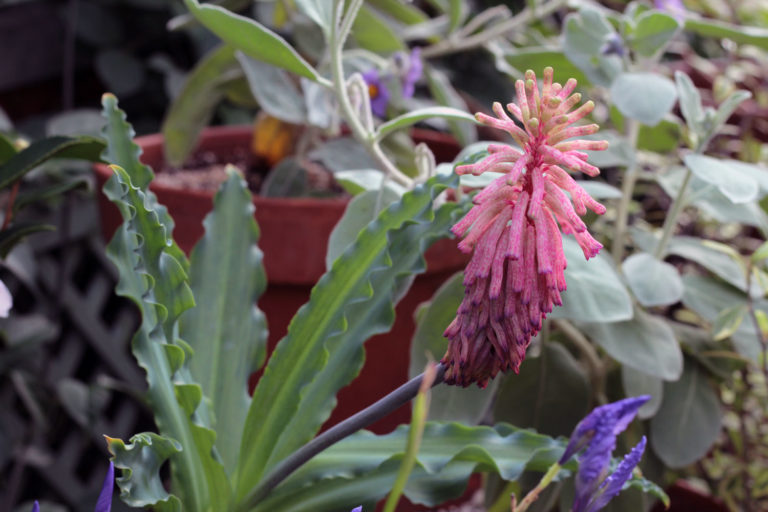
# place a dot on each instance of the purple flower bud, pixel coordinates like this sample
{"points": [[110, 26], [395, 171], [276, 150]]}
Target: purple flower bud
{"points": [[35, 507], [357, 509], [597, 432], [104, 503], [613, 46]]}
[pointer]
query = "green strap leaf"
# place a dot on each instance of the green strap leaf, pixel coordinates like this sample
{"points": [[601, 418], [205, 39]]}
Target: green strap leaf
{"points": [[140, 461], [420, 114], [205, 86], [323, 351], [741, 34], [82, 147], [7, 148], [226, 330], [252, 38]]}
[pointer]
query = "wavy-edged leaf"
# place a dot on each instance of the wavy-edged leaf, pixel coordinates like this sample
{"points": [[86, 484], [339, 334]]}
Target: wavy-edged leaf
{"points": [[140, 483], [361, 468], [83, 147], [420, 114], [123, 152], [157, 283], [226, 330], [323, 351], [204, 87], [252, 38]]}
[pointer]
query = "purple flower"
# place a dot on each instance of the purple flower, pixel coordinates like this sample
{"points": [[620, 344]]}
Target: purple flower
{"points": [[104, 503], [597, 432], [412, 73], [35, 507], [357, 509], [377, 91], [673, 7]]}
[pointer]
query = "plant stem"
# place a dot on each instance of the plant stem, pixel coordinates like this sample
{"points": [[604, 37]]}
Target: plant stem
{"points": [[448, 46], [596, 367], [627, 189], [671, 220], [533, 495], [753, 317], [338, 432], [366, 138], [502, 502]]}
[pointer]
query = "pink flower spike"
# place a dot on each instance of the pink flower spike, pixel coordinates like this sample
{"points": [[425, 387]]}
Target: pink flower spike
{"points": [[516, 273]]}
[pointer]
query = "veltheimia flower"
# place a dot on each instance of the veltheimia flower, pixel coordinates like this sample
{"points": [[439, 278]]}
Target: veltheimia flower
{"points": [[596, 434], [515, 275]]}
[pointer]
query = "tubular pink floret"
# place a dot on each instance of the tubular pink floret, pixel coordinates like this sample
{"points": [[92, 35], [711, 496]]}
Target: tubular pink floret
{"points": [[516, 273]]}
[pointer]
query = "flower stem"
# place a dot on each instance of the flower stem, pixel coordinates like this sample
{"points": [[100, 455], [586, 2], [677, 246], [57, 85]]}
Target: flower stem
{"points": [[449, 45], [533, 495], [502, 502], [627, 189], [358, 421], [339, 31], [671, 220]]}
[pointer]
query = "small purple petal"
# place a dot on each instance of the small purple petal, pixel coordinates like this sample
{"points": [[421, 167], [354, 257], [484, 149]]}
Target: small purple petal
{"points": [[673, 7], [377, 91], [357, 509], [104, 503], [614, 483], [35, 507], [6, 301], [415, 69]]}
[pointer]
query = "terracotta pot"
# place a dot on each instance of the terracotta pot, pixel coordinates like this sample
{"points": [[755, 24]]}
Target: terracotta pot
{"points": [[294, 238]]}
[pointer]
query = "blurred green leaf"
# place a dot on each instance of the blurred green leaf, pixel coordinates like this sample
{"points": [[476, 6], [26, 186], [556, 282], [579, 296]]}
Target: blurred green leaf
{"points": [[343, 154], [457, 11], [274, 90], [252, 38], [584, 37], [690, 103], [728, 107], [287, 179], [688, 421], [358, 181], [403, 12], [7, 149], [737, 187], [193, 108], [728, 322], [722, 30], [444, 94], [320, 11], [537, 58], [121, 71], [618, 154], [83, 148], [45, 192], [550, 394], [654, 282], [653, 30], [595, 292], [646, 97], [646, 343], [761, 253], [374, 34]]}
